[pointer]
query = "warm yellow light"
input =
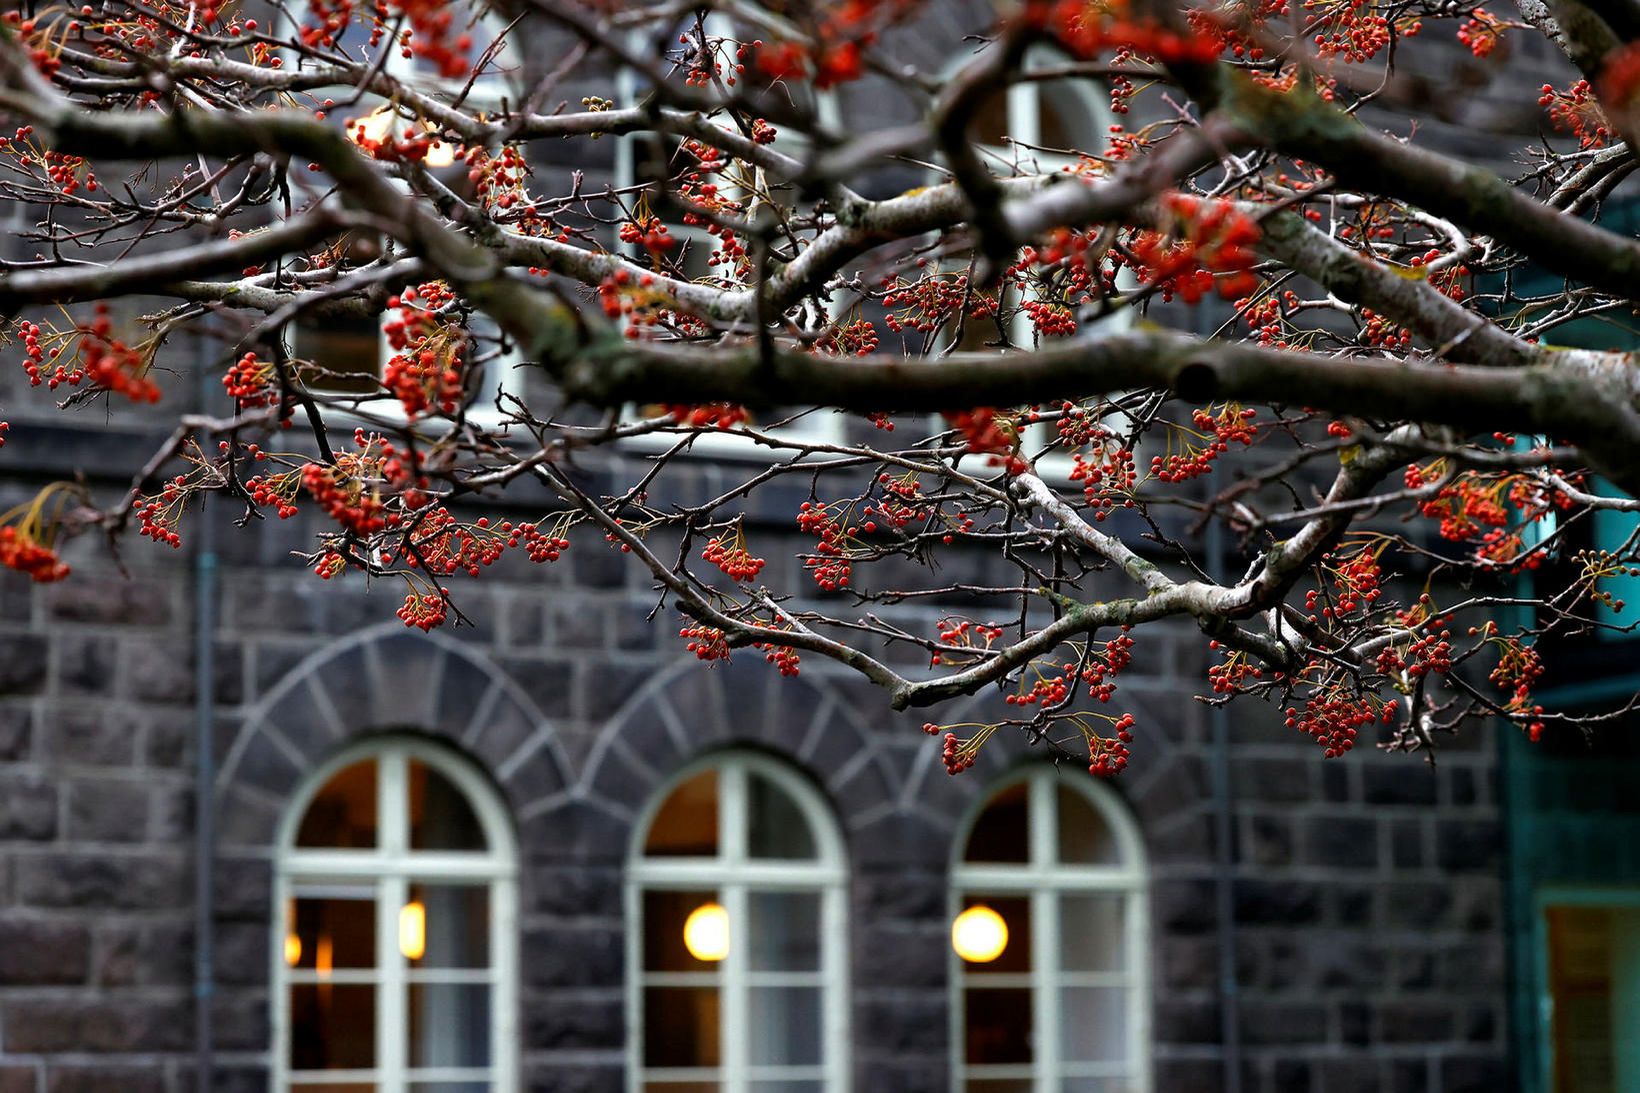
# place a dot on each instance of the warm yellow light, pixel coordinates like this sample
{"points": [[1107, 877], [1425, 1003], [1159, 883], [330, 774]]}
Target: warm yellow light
{"points": [[374, 127], [413, 930], [293, 949], [441, 154], [979, 935], [706, 932], [384, 124]]}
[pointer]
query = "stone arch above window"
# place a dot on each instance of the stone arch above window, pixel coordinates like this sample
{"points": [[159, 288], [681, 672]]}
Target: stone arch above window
{"points": [[385, 680]]}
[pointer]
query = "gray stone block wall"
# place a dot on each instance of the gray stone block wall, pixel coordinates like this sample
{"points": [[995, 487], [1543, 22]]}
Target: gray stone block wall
{"points": [[1367, 895]]}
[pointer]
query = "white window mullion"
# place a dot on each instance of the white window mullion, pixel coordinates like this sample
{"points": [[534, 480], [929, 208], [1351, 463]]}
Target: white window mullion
{"points": [[392, 1028]]}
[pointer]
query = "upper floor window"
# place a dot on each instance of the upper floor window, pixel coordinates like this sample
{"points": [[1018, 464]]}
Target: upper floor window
{"points": [[1048, 941], [395, 959], [736, 949]]}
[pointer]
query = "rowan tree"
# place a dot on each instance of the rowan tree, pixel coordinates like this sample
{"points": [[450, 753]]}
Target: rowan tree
{"points": [[1381, 426]]}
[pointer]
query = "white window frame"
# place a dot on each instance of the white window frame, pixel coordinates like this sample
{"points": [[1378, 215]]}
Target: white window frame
{"points": [[388, 870], [821, 426], [502, 375], [734, 875], [1043, 881], [1024, 124]]}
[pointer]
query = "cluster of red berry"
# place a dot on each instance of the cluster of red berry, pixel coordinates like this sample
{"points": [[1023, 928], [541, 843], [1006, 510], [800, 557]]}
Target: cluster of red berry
{"points": [[1108, 757], [1335, 714], [1231, 425], [25, 554], [1577, 111], [348, 500], [785, 660], [986, 431], [829, 565], [709, 415], [108, 363], [1210, 246], [424, 610], [652, 235], [856, 339], [731, 556], [706, 642], [1232, 675], [1481, 32]]}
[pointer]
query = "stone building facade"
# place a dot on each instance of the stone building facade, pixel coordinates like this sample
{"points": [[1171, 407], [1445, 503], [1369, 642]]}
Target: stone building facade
{"points": [[1335, 926], [1366, 894]]}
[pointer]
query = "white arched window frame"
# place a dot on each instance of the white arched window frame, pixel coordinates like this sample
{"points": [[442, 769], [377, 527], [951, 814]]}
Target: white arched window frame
{"points": [[821, 427], [479, 989], [748, 886], [1078, 108], [1060, 897], [502, 375]]}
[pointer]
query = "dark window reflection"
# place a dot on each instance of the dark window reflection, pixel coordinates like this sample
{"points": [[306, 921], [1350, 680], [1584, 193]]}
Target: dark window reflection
{"points": [[440, 816], [343, 814], [1084, 838], [998, 1024], [332, 1026], [778, 828], [1002, 832], [332, 933], [680, 1026]]}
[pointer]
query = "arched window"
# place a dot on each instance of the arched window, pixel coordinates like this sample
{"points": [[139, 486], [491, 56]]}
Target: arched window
{"points": [[736, 952], [1048, 942], [395, 957]]}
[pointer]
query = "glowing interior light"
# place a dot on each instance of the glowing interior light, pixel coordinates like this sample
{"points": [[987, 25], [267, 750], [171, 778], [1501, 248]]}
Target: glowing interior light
{"points": [[979, 935], [413, 930], [293, 949], [441, 154], [706, 932], [374, 127]]}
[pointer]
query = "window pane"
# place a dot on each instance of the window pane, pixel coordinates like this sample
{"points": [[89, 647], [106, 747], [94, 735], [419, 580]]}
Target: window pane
{"points": [[1002, 832], [1099, 1085], [687, 824], [784, 932], [450, 1087], [440, 816], [664, 915], [339, 354], [332, 1026], [1015, 958], [785, 1025], [335, 1087], [778, 827], [343, 814], [1092, 934], [1594, 980], [1000, 1085], [449, 1024], [1094, 1020], [331, 933], [680, 1026], [456, 925], [786, 1085], [681, 1087], [997, 1025], [1084, 838]]}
